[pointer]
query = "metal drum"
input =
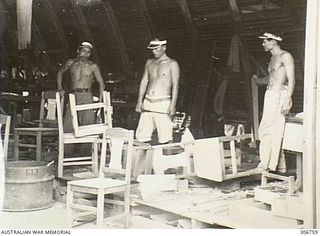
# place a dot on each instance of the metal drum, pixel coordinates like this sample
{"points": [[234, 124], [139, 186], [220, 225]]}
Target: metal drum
{"points": [[28, 186]]}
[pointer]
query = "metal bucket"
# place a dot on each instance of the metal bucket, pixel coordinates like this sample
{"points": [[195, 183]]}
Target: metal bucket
{"points": [[28, 186]]}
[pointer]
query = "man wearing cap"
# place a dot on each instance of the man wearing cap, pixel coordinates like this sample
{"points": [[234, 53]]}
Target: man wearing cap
{"points": [[158, 94], [277, 103], [82, 71]]}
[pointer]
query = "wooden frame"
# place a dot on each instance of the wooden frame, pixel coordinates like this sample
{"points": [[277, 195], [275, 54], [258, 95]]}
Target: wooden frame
{"points": [[210, 158], [105, 108], [46, 127], [103, 185], [69, 138]]}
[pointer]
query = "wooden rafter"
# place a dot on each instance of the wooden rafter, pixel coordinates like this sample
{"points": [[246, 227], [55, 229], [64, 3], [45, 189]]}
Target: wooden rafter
{"points": [[245, 61], [118, 36], [85, 28], [58, 27], [142, 6]]}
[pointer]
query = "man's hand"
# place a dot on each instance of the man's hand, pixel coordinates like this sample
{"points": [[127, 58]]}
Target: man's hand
{"points": [[286, 106], [172, 110], [139, 107]]}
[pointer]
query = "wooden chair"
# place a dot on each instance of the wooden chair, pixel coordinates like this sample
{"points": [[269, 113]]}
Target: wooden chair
{"points": [[104, 184], [104, 108], [4, 142], [69, 138], [47, 127], [174, 155], [211, 158]]}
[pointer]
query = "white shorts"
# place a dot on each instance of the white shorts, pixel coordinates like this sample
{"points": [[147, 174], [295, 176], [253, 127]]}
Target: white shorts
{"points": [[155, 116]]}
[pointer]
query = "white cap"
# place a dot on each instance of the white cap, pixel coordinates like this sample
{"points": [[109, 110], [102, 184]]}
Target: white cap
{"points": [[154, 44], [270, 36], [86, 44]]}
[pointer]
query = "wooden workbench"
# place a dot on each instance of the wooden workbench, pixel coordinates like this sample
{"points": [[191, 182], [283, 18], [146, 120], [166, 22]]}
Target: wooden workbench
{"points": [[208, 205]]}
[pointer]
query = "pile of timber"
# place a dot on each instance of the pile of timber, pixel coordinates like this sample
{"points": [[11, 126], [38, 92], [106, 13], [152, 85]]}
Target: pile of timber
{"points": [[271, 207]]}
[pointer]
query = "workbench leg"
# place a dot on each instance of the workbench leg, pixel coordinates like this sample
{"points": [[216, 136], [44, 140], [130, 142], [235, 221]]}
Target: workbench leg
{"points": [[299, 169]]}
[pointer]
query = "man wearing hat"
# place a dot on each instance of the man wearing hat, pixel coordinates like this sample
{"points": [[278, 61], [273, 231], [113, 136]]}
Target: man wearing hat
{"points": [[158, 94], [82, 72], [277, 103]]}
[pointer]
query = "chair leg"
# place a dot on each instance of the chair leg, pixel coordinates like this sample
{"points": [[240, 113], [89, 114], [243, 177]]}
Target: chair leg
{"points": [[100, 207], [38, 146], [95, 158], [60, 159], [127, 208], [69, 206], [16, 146]]}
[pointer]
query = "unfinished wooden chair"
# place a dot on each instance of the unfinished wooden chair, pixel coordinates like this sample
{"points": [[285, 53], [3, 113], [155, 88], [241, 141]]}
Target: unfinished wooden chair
{"points": [[104, 108], [4, 135], [70, 138], [211, 158], [105, 184], [47, 127], [174, 155]]}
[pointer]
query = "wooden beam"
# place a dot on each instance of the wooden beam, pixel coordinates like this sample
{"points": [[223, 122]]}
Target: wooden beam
{"points": [[85, 28], [151, 30], [245, 62], [57, 25], [118, 36], [311, 119]]}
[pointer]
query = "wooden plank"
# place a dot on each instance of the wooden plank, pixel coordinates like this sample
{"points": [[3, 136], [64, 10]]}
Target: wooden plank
{"points": [[118, 36], [253, 214], [311, 166], [288, 206], [208, 158], [85, 28], [57, 25]]}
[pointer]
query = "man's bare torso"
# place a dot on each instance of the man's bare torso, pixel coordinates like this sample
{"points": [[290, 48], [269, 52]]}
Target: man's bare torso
{"points": [[82, 75], [277, 71], [159, 77]]}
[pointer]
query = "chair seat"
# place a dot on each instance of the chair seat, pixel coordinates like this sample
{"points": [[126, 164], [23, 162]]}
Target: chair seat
{"points": [[71, 136], [98, 183], [91, 129]]}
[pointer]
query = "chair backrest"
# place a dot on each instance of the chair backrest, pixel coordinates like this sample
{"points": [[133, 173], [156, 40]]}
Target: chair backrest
{"points": [[59, 101], [102, 108], [4, 141], [120, 142], [48, 109]]}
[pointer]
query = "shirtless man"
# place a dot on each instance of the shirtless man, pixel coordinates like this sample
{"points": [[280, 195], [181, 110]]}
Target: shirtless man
{"points": [[277, 103], [158, 94], [83, 71]]}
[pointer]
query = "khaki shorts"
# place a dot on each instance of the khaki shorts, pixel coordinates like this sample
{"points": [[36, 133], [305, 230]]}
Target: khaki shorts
{"points": [[154, 117]]}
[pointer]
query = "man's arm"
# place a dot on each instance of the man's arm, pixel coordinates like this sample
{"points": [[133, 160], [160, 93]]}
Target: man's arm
{"points": [[98, 76], [288, 63], [175, 75], [263, 80], [60, 73], [143, 87]]}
